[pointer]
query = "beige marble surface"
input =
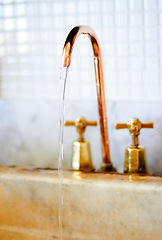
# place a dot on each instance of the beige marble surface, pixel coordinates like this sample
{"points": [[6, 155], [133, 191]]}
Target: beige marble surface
{"points": [[96, 206]]}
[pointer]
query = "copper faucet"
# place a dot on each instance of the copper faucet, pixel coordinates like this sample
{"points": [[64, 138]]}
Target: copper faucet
{"points": [[66, 60]]}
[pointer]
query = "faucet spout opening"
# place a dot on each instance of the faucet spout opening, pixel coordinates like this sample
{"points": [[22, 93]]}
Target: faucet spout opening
{"points": [[66, 60]]}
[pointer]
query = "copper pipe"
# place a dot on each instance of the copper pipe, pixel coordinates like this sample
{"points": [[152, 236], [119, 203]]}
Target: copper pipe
{"points": [[66, 60]]}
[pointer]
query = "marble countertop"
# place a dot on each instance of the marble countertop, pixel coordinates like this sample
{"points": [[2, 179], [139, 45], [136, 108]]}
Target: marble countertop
{"points": [[95, 205]]}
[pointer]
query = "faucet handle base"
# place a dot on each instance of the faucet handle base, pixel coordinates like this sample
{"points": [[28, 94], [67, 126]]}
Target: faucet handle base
{"points": [[135, 160], [108, 167], [81, 157]]}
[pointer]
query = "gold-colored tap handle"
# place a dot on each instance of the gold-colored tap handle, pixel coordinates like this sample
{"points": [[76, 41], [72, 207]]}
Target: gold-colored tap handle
{"points": [[69, 123], [132, 123], [134, 126], [148, 125], [92, 123], [81, 123], [121, 125], [86, 123]]}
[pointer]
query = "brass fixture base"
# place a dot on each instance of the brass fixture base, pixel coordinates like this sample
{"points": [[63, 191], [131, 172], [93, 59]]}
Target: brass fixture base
{"points": [[81, 158], [135, 160], [108, 167]]}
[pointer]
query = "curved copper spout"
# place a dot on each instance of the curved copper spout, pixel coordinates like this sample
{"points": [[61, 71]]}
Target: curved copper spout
{"points": [[66, 60]]}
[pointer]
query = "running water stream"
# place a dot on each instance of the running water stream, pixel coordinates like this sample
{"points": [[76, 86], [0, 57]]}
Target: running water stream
{"points": [[63, 77]]}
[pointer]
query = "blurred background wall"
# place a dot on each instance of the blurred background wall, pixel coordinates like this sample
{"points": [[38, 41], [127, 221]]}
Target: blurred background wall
{"points": [[32, 35]]}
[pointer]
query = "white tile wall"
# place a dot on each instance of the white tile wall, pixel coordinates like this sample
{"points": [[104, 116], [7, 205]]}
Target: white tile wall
{"points": [[32, 34]]}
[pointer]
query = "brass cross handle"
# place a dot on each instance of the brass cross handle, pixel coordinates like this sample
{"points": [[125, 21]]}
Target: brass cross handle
{"points": [[134, 126], [81, 123]]}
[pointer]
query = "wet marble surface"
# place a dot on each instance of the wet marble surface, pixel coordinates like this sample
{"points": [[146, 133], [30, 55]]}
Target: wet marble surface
{"points": [[29, 132], [95, 205]]}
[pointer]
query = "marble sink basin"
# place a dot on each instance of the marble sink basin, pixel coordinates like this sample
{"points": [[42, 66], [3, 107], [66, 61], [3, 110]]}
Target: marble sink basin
{"points": [[97, 206]]}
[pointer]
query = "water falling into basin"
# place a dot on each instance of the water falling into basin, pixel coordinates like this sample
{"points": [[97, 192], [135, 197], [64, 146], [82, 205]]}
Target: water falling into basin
{"points": [[63, 77]]}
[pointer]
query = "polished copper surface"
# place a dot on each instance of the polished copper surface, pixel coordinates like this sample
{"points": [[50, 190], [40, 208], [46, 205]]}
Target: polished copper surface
{"points": [[66, 60]]}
